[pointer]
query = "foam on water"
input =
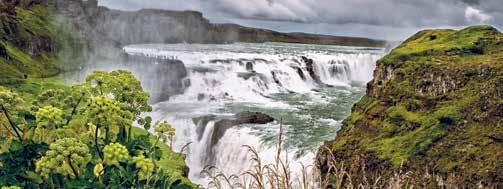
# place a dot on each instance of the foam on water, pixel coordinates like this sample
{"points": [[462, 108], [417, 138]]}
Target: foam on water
{"points": [[221, 77]]}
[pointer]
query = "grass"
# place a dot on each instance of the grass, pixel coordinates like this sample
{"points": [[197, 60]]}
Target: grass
{"points": [[28, 50], [448, 46], [439, 109]]}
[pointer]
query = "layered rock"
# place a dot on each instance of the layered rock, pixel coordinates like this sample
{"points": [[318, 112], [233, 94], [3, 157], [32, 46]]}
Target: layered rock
{"points": [[163, 78], [433, 108]]}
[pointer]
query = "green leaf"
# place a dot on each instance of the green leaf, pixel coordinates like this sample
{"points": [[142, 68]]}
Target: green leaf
{"points": [[15, 146]]}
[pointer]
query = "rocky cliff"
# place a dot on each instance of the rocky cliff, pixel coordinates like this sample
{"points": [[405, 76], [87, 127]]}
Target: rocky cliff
{"points": [[27, 46], [113, 28], [434, 108]]}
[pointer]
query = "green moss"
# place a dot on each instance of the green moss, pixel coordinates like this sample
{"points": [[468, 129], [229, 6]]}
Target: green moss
{"points": [[448, 115], [36, 86], [440, 108], [399, 148], [35, 20], [469, 43], [28, 48]]}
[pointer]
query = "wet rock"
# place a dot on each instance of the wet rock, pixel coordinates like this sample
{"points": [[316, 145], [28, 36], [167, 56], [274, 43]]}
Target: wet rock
{"points": [[241, 118], [200, 96], [310, 69], [203, 70], [275, 77], [254, 118], [201, 123], [249, 66], [300, 72], [248, 75], [170, 75], [186, 171]]}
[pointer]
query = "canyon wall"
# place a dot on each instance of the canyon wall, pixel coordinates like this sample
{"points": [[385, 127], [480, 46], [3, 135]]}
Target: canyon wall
{"points": [[433, 111]]}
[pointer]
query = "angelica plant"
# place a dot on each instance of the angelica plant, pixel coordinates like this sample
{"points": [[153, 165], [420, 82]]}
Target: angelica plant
{"points": [[66, 156], [49, 117], [165, 132], [115, 153], [81, 137], [145, 167]]}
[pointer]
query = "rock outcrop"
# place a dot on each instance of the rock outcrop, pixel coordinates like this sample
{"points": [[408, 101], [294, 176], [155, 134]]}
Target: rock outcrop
{"points": [[223, 125], [433, 108], [163, 78]]}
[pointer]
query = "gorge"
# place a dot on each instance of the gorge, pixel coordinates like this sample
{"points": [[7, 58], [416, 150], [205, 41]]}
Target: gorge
{"points": [[427, 113]]}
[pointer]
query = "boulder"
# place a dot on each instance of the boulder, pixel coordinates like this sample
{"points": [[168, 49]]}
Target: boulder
{"points": [[241, 118]]}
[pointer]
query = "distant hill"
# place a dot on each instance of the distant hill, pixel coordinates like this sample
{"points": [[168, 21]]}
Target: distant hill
{"points": [[107, 27], [254, 35]]}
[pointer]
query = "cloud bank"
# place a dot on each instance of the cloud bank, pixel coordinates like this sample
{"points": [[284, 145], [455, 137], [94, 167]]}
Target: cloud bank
{"points": [[385, 14]]}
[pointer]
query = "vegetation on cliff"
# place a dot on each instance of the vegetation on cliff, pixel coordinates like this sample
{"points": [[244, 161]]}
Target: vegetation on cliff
{"points": [[27, 42], [434, 108]]}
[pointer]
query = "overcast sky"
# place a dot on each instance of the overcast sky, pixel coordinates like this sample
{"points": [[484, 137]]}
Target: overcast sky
{"points": [[384, 19]]}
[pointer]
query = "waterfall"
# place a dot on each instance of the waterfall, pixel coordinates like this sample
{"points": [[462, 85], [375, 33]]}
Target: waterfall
{"points": [[221, 78]]}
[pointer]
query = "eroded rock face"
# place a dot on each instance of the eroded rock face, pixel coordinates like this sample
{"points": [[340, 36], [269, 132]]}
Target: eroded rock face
{"points": [[382, 75], [430, 104], [163, 78]]}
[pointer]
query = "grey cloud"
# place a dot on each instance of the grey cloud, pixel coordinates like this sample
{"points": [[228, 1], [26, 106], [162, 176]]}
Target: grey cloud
{"points": [[370, 12], [387, 14]]}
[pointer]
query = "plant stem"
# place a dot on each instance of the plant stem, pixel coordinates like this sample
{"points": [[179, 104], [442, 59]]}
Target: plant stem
{"points": [[73, 168], [129, 133], [151, 151], [74, 110], [96, 142], [14, 127]]}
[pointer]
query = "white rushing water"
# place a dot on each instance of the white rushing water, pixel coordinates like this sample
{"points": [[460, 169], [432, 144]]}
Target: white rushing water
{"points": [[272, 78]]}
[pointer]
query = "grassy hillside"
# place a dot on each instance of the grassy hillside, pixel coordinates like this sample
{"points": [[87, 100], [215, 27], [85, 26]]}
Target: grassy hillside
{"points": [[27, 43], [434, 108]]}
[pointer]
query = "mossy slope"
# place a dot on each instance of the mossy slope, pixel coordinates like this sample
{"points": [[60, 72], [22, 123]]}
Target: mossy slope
{"points": [[27, 42], [435, 106]]}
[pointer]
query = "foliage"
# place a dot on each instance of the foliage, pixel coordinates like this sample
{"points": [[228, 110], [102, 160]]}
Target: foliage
{"points": [[93, 142], [49, 117], [66, 156], [144, 166], [115, 153]]}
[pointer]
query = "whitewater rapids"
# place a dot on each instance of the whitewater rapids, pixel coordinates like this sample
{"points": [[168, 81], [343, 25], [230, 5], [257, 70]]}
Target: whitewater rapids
{"points": [[273, 78]]}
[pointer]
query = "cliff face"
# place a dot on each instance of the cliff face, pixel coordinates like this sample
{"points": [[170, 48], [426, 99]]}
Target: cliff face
{"points": [[27, 46], [435, 106], [114, 28]]}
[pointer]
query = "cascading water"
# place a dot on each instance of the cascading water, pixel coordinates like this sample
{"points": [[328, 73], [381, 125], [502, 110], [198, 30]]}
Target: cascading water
{"points": [[311, 87]]}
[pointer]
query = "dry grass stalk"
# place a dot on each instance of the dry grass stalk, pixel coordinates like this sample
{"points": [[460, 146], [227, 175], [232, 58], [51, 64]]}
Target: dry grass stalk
{"points": [[279, 175]]}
